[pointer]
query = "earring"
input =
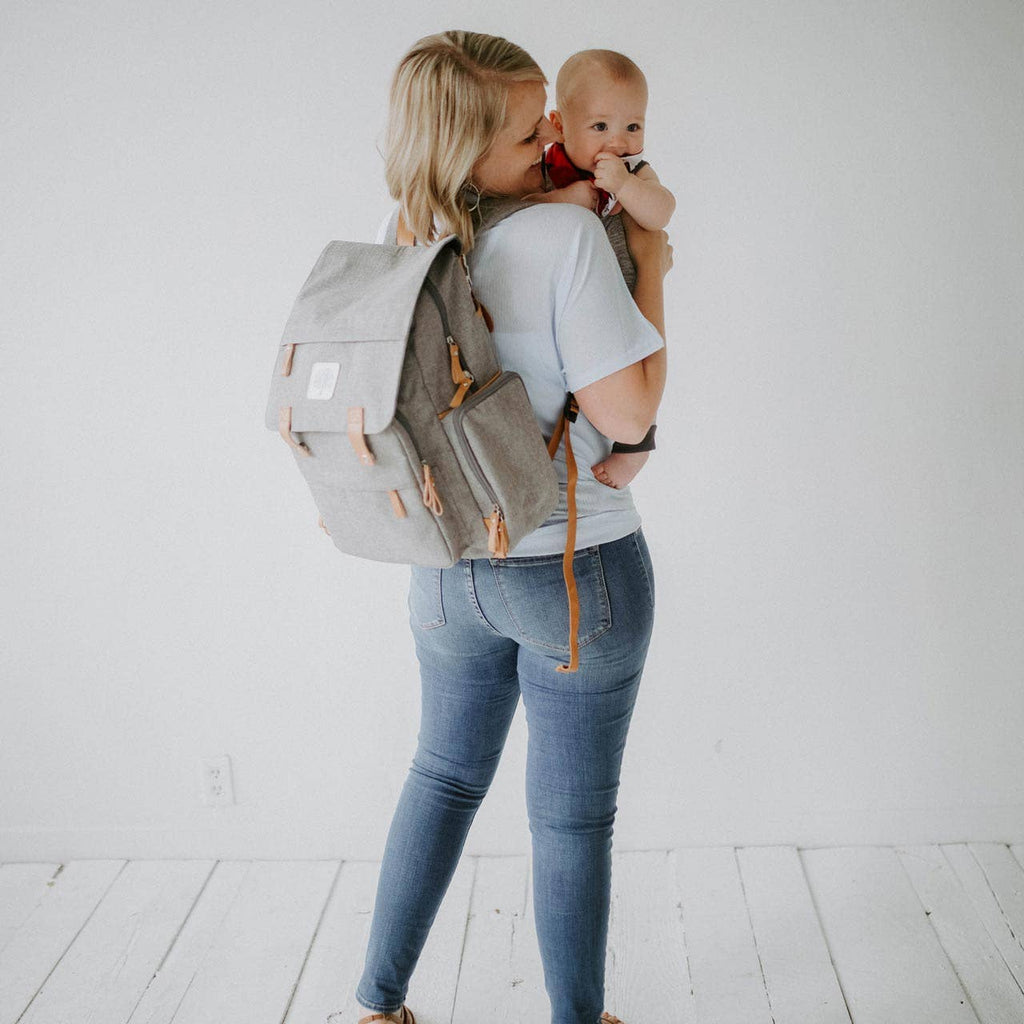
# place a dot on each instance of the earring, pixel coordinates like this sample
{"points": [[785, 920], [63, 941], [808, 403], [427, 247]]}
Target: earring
{"points": [[476, 206]]}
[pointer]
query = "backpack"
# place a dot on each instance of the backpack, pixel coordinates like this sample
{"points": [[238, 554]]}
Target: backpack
{"points": [[417, 447]]}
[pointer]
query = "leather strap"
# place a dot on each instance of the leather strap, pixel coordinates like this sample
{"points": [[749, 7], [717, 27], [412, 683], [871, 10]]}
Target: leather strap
{"points": [[396, 504], [430, 496], [569, 413], [286, 367], [485, 314], [356, 436], [284, 426], [461, 377]]}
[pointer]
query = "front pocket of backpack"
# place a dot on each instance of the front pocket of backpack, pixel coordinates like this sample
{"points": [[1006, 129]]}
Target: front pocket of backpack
{"points": [[508, 467], [375, 511]]}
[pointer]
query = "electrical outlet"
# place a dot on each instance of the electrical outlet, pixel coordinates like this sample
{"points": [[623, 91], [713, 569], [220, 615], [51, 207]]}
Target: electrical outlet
{"points": [[216, 775]]}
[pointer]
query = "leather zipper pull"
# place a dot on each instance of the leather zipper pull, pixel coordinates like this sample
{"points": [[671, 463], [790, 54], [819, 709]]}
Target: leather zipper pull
{"points": [[497, 534], [430, 496]]}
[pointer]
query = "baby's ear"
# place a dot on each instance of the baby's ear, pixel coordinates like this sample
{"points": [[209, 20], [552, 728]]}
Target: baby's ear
{"points": [[556, 122]]}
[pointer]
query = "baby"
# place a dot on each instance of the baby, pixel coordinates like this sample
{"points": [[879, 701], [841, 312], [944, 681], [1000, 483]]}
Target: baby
{"points": [[602, 103]]}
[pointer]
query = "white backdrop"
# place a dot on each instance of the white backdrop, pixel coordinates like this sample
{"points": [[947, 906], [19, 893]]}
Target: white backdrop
{"points": [[835, 510]]}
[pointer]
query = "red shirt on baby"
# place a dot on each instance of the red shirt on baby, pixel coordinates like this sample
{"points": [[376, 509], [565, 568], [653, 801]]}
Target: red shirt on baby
{"points": [[562, 171]]}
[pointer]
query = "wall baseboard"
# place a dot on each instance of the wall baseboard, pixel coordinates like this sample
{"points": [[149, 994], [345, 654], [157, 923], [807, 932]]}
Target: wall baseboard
{"points": [[891, 826]]}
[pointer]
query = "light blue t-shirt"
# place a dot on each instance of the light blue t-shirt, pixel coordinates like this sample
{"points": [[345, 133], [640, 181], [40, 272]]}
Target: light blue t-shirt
{"points": [[563, 318]]}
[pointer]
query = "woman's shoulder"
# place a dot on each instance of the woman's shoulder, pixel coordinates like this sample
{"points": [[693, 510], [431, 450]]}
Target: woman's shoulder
{"points": [[563, 217], [550, 227]]}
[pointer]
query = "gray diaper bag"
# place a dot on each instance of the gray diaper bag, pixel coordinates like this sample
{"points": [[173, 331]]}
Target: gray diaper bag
{"points": [[416, 445]]}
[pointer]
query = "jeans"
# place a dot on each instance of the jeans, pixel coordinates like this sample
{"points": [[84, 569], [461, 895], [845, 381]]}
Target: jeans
{"points": [[486, 631]]}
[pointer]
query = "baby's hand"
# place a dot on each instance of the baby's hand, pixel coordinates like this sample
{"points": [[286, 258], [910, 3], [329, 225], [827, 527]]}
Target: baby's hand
{"points": [[581, 193], [611, 172]]}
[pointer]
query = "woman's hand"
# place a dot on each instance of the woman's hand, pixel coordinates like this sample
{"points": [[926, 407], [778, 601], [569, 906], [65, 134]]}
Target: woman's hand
{"points": [[650, 249], [580, 193]]}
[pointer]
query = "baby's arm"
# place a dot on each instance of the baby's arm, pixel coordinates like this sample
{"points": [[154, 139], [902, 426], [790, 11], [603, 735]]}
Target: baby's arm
{"points": [[641, 195]]}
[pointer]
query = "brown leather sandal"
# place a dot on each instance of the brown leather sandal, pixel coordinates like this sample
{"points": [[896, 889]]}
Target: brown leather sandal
{"points": [[407, 1016], [607, 1018]]}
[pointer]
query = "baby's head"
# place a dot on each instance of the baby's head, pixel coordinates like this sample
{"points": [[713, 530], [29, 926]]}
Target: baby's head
{"points": [[602, 103]]}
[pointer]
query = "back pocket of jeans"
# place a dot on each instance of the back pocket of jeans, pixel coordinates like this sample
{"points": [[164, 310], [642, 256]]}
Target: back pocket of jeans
{"points": [[533, 591], [425, 606]]}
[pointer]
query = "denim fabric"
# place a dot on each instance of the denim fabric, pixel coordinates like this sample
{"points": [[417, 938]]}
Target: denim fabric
{"points": [[488, 630]]}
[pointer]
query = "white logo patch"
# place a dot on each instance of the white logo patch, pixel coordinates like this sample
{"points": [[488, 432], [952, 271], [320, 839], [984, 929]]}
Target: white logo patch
{"points": [[322, 380]]}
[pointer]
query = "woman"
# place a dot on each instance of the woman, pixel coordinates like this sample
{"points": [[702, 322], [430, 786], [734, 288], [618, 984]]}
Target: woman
{"points": [[467, 122]]}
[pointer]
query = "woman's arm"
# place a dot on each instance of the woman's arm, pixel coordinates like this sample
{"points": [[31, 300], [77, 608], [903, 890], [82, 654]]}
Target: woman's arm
{"points": [[624, 404]]}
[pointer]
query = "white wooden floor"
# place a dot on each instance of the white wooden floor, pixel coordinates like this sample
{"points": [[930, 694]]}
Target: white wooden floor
{"points": [[755, 935]]}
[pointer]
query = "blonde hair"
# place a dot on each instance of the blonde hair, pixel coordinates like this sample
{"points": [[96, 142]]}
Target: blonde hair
{"points": [[575, 72], [448, 103]]}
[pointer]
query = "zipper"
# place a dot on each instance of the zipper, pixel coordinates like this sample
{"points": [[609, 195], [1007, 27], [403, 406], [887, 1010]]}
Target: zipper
{"points": [[497, 531], [427, 489], [467, 449], [439, 302], [461, 377], [404, 424]]}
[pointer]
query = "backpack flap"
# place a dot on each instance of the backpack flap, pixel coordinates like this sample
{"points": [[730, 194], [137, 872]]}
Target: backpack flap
{"points": [[344, 344]]}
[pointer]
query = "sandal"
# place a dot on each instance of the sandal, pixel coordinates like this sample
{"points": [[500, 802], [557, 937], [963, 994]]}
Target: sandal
{"points": [[607, 1018], [406, 1018]]}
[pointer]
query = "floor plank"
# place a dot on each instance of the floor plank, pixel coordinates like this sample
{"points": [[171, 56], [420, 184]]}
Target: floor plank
{"points": [[888, 960], [529, 996], [251, 968], [646, 974], [184, 958], [22, 886], [490, 968], [326, 990], [326, 987], [728, 985], [995, 880], [799, 977], [42, 938], [106, 970], [993, 993]]}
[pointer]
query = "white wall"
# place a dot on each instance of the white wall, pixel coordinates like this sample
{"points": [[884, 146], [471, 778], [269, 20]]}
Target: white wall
{"points": [[836, 508]]}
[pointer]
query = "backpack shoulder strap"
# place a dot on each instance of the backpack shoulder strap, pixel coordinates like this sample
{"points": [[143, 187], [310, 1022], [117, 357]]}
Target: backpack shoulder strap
{"points": [[494, 209]]}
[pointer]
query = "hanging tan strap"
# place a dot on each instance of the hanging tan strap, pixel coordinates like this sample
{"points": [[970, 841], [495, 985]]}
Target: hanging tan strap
{"points": [[483, 312], [286, 367], [396, 504], [284, 426], [556, 437], [356, 436], [404, 236], [569, 414]]}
